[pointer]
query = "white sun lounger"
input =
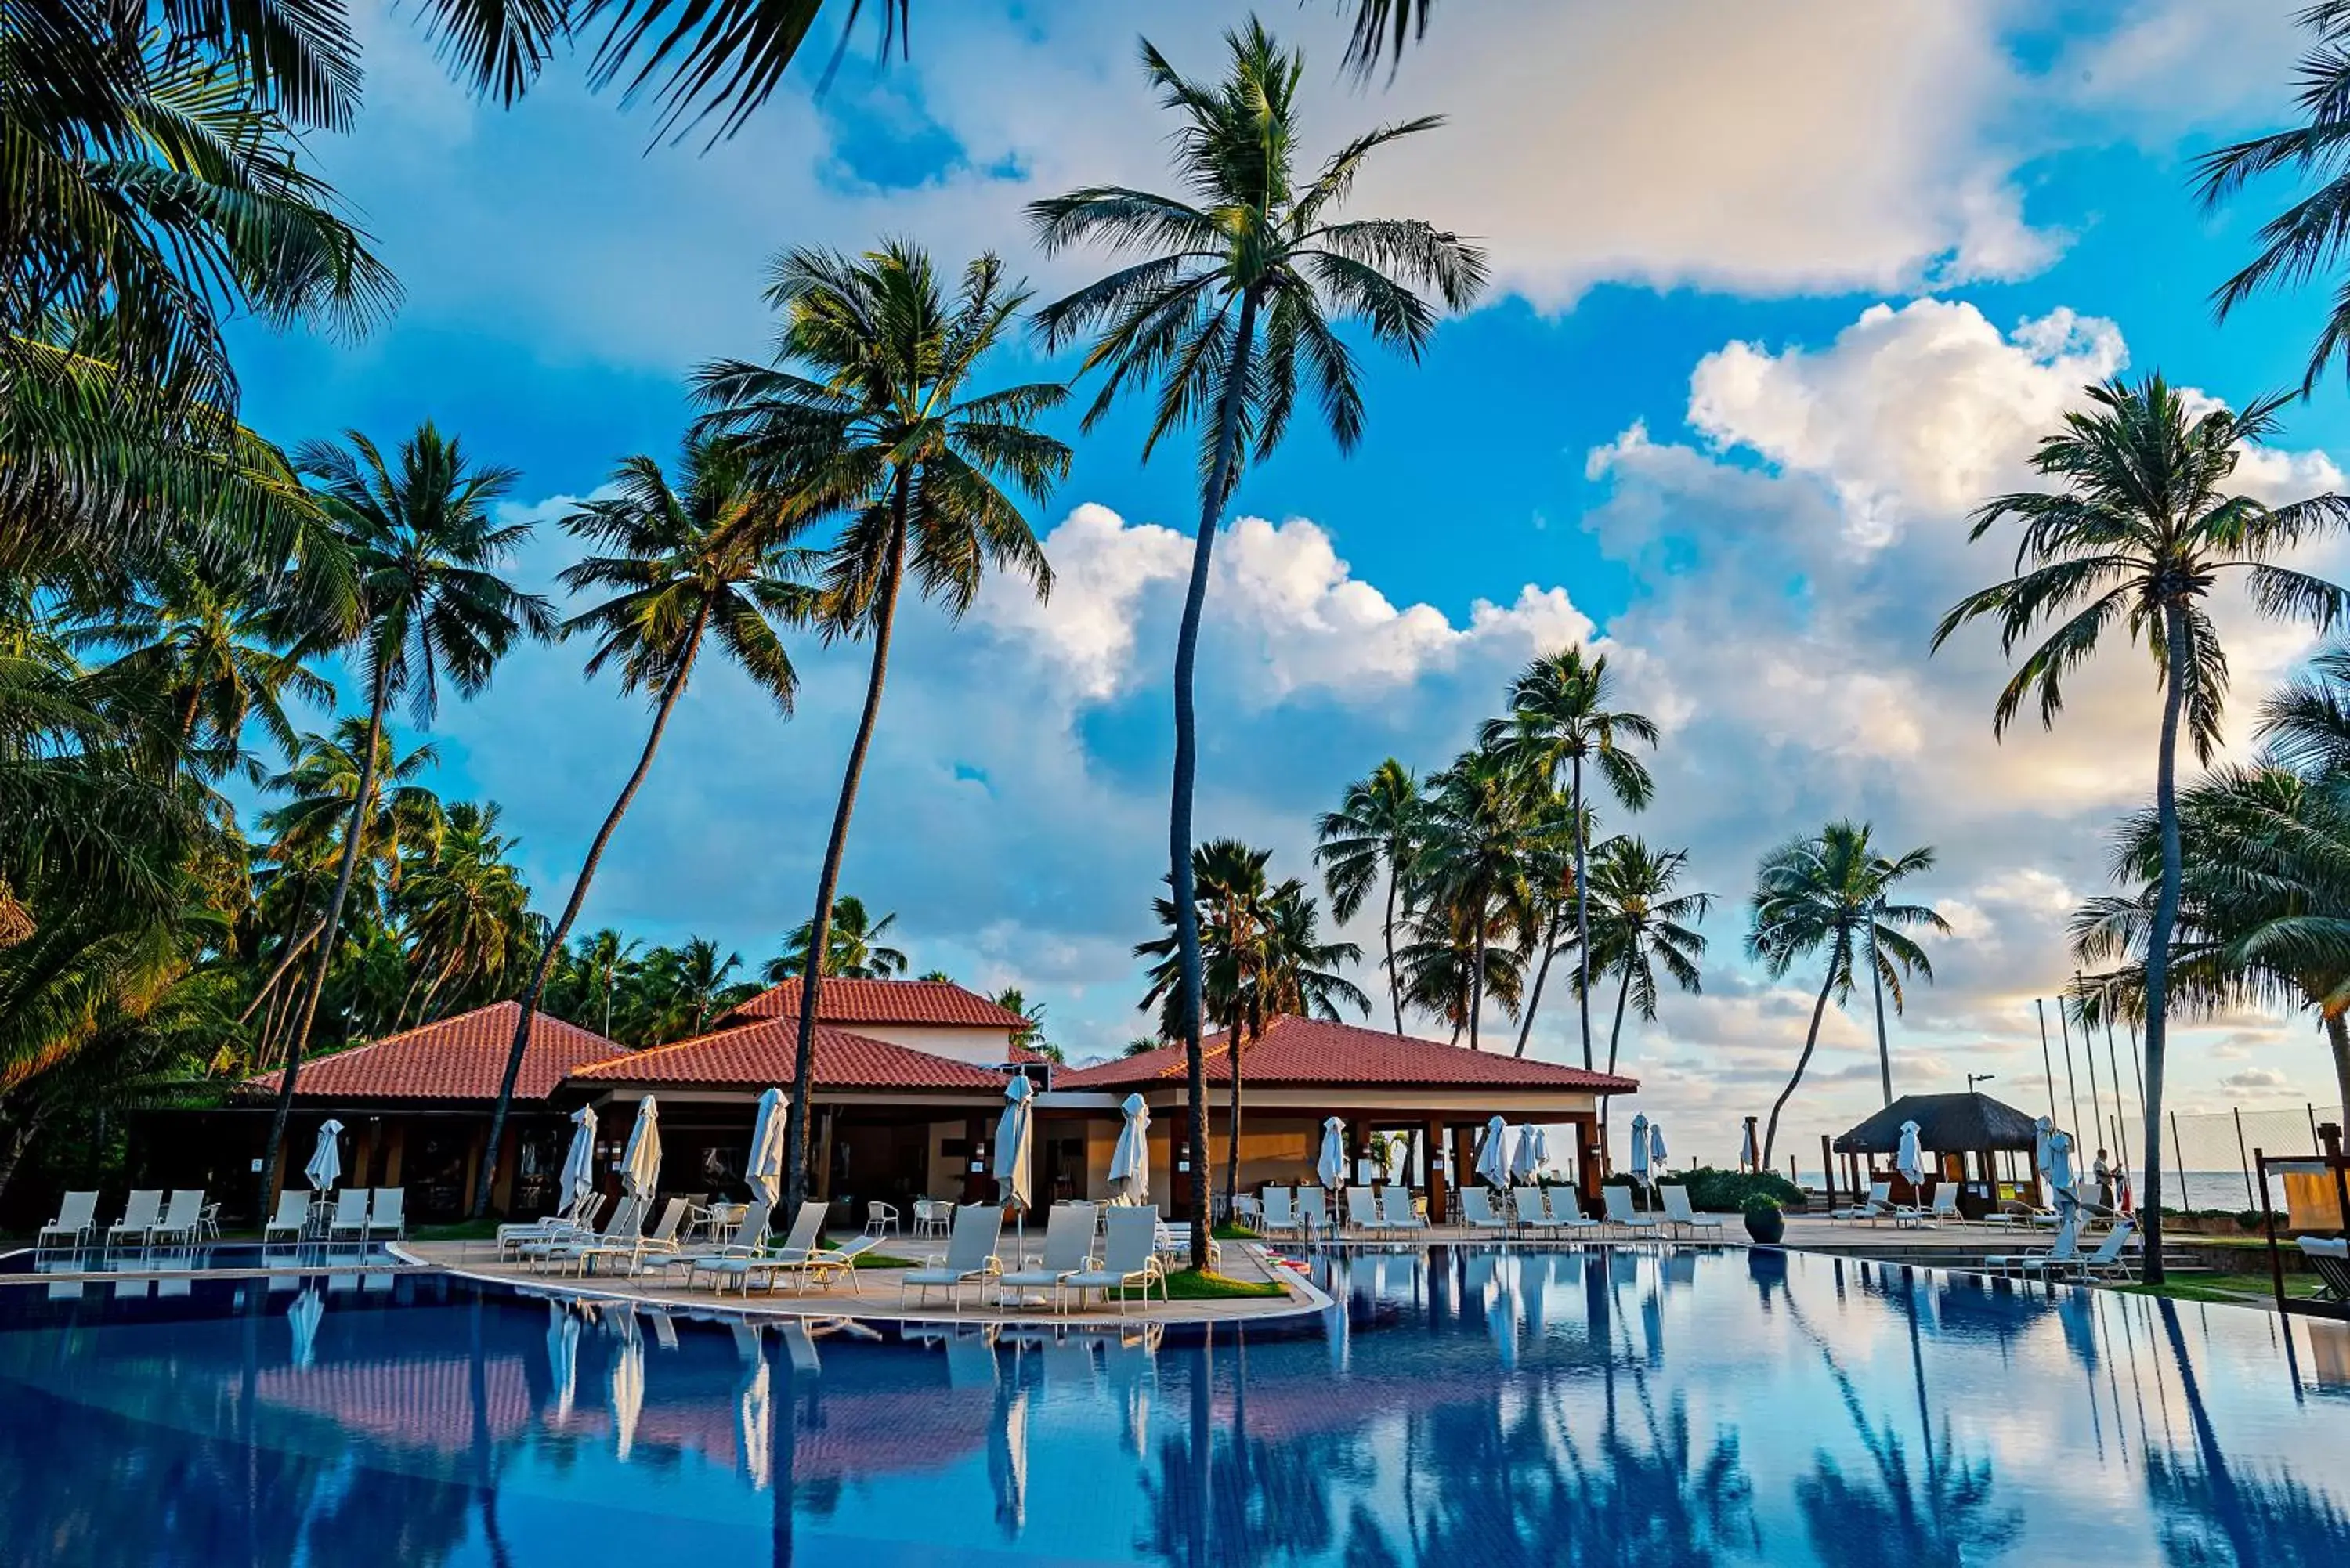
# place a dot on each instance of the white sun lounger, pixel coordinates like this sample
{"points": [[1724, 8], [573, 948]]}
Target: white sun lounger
{"points": [[76, 1217], [1908, 1216], [627, 1215], [350, 1218], [577, 1221], [1130, 1259], [1566, 1212], [291, 1221], [971, 1252], [1679, 1212], [2052, 1265], [742, 1264], [1526, 1209], [1621, 1214], [661, 1239], [1875, 1206], [2331, 1259], [1362, 1212], [1477, 1210], [181, 1218], [1069, 1250], [1314, 1211], [1280, 1216], [388, 1214], [1395, 1208], [139, 1214]]}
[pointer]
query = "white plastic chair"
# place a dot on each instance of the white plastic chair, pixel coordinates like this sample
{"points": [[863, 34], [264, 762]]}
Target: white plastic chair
{"points": [[291, 1221], [880, 1218], [351, 1217], [387, 1215], [144, 1208], [76, 1217], [180, 1220]]}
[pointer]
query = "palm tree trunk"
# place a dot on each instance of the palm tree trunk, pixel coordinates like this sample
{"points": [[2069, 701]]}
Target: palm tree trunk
{"points": [[1614, 1033], [1395, 981], [1477, 975], [555, 939], [21, 1140], [1876, 988], [361, 798], [1232, 1131], [293, 952], [2158, 946], [885, 617], [2337, 1035], [1582, 916], [1542, 972], [1187, 767], [1819, 1011]]}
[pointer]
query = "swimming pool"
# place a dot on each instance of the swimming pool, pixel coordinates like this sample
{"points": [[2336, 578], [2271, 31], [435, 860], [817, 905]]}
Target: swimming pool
{"points": [[1467, 1407]]}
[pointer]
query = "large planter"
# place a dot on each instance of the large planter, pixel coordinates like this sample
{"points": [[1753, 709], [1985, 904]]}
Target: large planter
{"points": [[1768, 1226]]}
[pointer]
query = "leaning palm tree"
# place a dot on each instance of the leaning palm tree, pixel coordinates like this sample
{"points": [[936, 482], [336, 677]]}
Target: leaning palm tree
{"points": [[690, 561], [1374, 837], [1234, 285], [1559, 721], [853, 947], [2137, 531], [431, 608], [869, 411], [1826, 893]]}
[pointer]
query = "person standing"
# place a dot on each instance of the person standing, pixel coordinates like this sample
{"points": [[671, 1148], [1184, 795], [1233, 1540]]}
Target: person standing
{"points": [[2105, 1173]]}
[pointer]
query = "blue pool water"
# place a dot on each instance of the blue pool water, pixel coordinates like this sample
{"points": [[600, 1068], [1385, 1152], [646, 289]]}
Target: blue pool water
{"points": [[1469, 1408]]}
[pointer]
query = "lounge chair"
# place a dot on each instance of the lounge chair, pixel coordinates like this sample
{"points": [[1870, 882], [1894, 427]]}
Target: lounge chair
{"points": [[1566, 1211], [291, 1221], [743, 1264], [822, 1265], [1314, 1211], [970, 1253], [1130, 1259], [1477, 1210], [2331, 1259], [1526, 1209], [387, 1215], [1363, 1214], [749, 1240], [1280, 1213], [2051, 1266], [76, 1217], [1681, 1212], [139, 1214], [626, 1216], [1928, 1217], [182, 1217], [1068, 1250], [1395, 1208], [1875, 1206], [1621, 1214], [574, 1222], [661, 1239], [350, 1215]]}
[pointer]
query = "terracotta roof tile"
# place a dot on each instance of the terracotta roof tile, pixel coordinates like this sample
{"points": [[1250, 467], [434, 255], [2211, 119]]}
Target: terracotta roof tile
{"points": [[937, 1002], [462, 1057], [756, 1055], [1308, 1051]]}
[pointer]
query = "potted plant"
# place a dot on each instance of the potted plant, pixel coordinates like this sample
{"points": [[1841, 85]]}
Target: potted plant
{"points": [[1764, 1220]]}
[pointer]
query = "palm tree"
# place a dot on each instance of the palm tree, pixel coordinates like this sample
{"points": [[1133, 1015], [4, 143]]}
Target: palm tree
{"points": [[1644, 924], [1456, 961], [2139, 531], [1374, 834], [853, 947], [688, 562], [462, 908], [1552, 829], [1030, 1035], [869, 411], [1234, 286], [1826, 892], [431, 608], [603, 958], [1477, 845], [2308, 237], [690, 985], [1560, 720]]}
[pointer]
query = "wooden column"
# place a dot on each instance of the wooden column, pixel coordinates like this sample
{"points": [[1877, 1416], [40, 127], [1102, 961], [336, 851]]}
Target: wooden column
{"points": [[501, 1172], [362, 1151], [1439, 1182], [475, 1146], [395, 1145]]}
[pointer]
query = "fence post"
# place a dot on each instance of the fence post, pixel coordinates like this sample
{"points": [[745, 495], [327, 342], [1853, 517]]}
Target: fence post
{"points": [[2250, 1200], [2313, 1132], [2179, 1158]]}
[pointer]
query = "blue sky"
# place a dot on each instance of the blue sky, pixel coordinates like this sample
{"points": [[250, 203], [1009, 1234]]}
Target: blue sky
{"points": [[1780, 294]]}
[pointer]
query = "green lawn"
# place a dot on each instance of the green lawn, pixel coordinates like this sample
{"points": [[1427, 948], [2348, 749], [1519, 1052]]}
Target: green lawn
{"points": [[1199, 1286], [2230, 1288]]}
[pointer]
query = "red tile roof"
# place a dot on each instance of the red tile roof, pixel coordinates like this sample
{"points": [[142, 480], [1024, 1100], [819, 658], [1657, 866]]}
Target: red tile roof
{"points": [[458, 1058], [934, 1001], [1307, 1051], [756, 1055]]}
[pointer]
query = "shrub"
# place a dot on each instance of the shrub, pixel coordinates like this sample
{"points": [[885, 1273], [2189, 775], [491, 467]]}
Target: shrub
{"points": [[1758, 1203], [1714, 1191]]}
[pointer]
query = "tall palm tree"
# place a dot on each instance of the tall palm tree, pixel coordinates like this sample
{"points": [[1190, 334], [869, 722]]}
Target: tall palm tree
{"points": [[1235, 283], [1030, 1035], [853, 947], [1476, 853], [462, 909], [686, 561], [603, 957], [1826, 893], [1374, 836], [690, 985], [1458, 959], [432, 608], [1559, 721], [2137, 531], [869, 410], [1552, 829], [2308, 237], [1644, 924]]}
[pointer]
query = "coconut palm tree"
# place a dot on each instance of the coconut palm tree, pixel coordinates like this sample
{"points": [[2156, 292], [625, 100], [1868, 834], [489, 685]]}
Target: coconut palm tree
{"points": [[1030, 1035], [1643, 924], [853, 947], [1234, 284], [1825, 893], [688, 986], [462, 910], [1373, 838], [433, 609], [603, 958], [1553, 829], [1455, 962], [700, 558], [2137, 531], [1477, 846], [1560, 720], [870, 411]]}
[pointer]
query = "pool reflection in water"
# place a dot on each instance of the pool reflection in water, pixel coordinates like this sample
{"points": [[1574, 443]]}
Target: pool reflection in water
{"points": [[1602, 1406]]}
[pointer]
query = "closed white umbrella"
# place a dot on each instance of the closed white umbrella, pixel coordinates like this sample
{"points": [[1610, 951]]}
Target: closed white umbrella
{"points": [[2060, 1166], [2042, 1129], [1331, 1168], [627, 1392], [1129, 1162], [1656, 1149], [1910, 1161], [303, 1317], [1012, 1153], [640, 1162], [1641, 1152], [1493, 1155], [1748, 1159], [1528, 1158], [765, 1170], [577, 1182], [326, 1167]]}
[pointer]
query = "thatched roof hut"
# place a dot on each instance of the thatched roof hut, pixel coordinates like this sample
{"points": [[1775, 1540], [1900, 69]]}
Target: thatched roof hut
{"points": [[1948, 1123]]}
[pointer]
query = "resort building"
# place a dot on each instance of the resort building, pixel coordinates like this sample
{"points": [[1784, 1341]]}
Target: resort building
{"points": [[907, 1083]]}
